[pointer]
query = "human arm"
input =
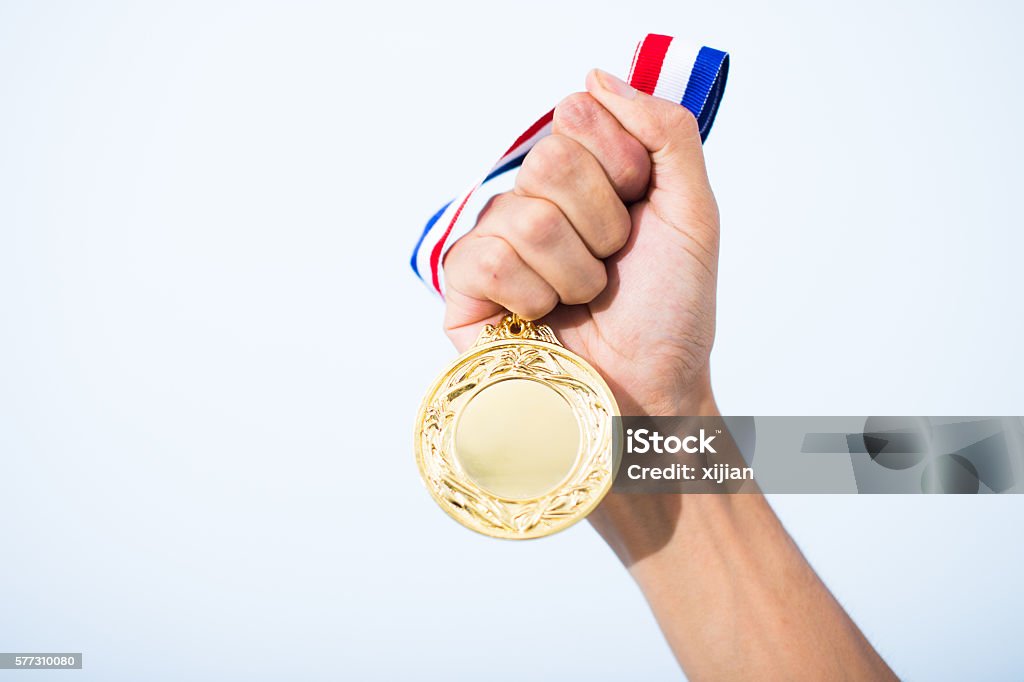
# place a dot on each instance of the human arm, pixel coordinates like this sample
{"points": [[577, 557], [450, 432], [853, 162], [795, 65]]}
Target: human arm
{"points": [[611, 235], [732, 593]]}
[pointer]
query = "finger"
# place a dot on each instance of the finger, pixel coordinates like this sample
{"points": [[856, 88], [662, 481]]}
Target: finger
{"points": [[563, 172], [487, 268], [542, 236], [668, 131], [626, 162]]}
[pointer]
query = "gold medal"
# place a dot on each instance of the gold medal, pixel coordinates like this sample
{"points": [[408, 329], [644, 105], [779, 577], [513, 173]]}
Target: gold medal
{"points": [[514, 438]]}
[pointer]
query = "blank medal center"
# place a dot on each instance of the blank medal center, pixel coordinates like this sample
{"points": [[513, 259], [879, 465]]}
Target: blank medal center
{"points": [[517, 439]]}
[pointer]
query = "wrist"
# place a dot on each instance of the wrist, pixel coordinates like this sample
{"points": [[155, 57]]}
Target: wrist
{"points": [[699, 400], [638, 526], [696, 399]]}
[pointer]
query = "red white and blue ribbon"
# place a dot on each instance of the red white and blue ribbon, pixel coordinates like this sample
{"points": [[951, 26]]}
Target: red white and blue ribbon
{"points": [[662, 66]]}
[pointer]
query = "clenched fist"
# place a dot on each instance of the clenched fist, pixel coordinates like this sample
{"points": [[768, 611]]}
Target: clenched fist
{"points": [[610, 235]]}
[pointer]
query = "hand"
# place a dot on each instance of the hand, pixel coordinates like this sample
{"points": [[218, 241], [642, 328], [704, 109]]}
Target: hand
{"points": [[611, 235]]}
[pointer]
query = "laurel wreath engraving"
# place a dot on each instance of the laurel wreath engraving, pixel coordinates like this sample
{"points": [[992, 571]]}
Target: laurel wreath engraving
{"points": [[517, 518]]}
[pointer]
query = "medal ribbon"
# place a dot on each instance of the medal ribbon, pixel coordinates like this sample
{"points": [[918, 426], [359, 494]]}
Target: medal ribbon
{"points": [[662, 66]]}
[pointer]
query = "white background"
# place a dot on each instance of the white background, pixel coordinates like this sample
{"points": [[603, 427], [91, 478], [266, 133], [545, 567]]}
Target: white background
{"points": [[211, 346]]}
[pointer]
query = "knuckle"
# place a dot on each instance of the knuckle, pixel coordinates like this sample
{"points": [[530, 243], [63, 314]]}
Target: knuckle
{"points": [[613, 237], [493, 260], [633, 172], [598, 282], [456, 260], [679, 120], [575, 112], [495, 205], [588, 287], [540, 225], [548, 162], [537, 305], [618, 236], [647, 126]]}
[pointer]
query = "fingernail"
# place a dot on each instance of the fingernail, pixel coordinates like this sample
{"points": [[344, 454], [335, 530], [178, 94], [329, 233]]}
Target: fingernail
{"points": [[614, 85]]}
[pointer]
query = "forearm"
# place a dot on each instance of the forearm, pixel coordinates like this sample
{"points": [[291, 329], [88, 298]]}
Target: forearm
{"points": [[732, 593]]}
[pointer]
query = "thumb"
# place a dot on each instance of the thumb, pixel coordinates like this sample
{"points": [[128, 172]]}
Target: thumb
{"points": [[666, 129]]}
